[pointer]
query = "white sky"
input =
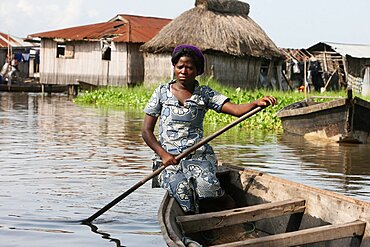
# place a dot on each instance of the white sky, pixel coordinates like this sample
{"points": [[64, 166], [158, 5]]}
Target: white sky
{"points": [[289, 23]]}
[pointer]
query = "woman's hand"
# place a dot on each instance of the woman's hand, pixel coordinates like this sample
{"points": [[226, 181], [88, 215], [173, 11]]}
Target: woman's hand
{"points": [[266, 101], [168, 159], [237, 110]]}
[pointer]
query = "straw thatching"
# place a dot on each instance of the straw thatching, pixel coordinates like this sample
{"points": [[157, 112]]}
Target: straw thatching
{"points": [[216, 25], [223, 30], [225, 6]]}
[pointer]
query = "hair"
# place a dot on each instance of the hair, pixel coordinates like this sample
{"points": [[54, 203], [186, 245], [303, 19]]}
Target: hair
{"points": [[189, 51]]}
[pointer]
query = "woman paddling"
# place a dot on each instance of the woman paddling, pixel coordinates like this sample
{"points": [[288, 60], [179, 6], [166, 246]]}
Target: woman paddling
{"points": [[180, 106]]}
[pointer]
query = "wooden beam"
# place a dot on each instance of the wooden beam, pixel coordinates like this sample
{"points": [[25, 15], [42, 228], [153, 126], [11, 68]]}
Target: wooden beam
{"points": [[306, 236], [208, 221]]}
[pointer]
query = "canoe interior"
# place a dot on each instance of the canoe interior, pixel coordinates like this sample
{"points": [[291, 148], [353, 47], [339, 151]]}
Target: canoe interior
{"points": [[270, 212]]}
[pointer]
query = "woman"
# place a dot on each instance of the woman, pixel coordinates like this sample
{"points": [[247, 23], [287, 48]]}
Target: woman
{"points": [[181, 106]]}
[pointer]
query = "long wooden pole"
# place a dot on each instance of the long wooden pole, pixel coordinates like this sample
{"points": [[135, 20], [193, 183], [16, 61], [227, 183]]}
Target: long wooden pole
{"points": [[178, 158], [10, 49], [8, 45]]}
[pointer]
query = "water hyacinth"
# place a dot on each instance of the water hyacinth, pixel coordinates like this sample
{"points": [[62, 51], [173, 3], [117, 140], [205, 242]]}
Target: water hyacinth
{"points": [[126, 97], [136, 98]]}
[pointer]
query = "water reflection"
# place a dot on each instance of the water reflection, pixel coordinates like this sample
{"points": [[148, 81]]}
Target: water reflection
{"points": [[344, 164], [345, 158], [61, 162], [104, 235]]}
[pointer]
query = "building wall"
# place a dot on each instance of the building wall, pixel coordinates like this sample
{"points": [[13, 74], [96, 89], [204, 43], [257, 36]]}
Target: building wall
{"points": [[356, 66], [136, 64], [238, 72], [157, 68], [88, 66]]}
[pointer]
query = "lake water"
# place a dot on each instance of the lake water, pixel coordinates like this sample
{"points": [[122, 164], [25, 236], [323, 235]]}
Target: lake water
{"points": [[60, 163]]}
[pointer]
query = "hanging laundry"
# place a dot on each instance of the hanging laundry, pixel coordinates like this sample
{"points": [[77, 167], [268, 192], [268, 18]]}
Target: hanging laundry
{"points": [[25, 57], [296, 69], [18, 56]]}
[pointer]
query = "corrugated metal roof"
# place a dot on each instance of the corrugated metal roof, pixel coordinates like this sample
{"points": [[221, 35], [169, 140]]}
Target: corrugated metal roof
{"points": [[122, 28], [13, 41], [353, 50]]}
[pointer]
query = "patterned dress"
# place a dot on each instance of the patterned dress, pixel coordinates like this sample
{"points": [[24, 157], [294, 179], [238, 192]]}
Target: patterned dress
{"points": [[180, 127]]}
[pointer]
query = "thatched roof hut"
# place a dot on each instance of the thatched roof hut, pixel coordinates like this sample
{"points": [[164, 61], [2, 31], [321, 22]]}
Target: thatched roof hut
{"points": [[236, 48]]}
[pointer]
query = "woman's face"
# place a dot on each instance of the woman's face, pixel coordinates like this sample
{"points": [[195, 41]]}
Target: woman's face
{"points": [[185, 70]]}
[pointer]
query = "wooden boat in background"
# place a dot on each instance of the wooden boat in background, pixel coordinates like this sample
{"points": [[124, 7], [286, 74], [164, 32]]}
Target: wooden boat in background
{"points": [[33, 88], [271, 212], [340, 120]]}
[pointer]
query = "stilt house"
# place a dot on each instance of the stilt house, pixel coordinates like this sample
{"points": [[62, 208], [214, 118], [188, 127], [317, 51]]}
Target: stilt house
{"points": [[238, 52], [345, 64], [102, 54]]}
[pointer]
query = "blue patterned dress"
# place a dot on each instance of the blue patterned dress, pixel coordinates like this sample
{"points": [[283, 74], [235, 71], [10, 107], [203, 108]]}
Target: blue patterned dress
{"points": [[180, 127]]}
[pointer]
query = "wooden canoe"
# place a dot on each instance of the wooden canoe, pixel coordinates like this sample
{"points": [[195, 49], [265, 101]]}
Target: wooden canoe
{"points": [[339, 120], [33, 88], [270, 212]]}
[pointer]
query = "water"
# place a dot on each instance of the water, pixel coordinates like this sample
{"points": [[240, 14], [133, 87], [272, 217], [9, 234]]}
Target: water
{"points": [[60, 163]]}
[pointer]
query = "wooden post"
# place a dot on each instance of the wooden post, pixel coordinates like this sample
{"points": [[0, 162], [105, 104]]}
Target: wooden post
{"points": [[8, 45], [279, 72], [325, 62], [269, 73], [345, 70], [305, 77]]}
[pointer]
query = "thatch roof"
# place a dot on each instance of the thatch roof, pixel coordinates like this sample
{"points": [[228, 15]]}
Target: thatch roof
{"points": [[215, 25]]}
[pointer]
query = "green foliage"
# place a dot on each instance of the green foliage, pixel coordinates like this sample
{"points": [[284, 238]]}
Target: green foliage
{"points": [[137, 97], [126, 97]]}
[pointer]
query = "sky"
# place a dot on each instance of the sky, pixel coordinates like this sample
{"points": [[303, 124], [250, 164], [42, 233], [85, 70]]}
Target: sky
{"points": [[289, 23]]}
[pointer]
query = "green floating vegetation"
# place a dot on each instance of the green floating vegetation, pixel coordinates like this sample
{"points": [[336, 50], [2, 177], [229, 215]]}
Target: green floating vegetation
{"points": [[130, 97], [136, 98]]}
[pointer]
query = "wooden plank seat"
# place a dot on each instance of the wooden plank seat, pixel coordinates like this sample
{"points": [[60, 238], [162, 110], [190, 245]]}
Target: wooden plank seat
{"points": [[214, 220], [306, 236]]}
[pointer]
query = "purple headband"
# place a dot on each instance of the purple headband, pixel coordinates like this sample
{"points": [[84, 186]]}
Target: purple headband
{"points": [[196, 51]]}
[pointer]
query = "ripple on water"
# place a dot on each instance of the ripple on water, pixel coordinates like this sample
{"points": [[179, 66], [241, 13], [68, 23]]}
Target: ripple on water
{"points": [[60, 163]]}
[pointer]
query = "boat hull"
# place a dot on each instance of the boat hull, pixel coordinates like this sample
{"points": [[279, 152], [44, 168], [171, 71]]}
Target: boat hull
{"points": [[260, 197], [33, 88], [342, 120]]}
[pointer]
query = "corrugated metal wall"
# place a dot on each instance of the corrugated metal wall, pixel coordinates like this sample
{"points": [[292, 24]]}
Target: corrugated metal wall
{"points": [[88, 65]]}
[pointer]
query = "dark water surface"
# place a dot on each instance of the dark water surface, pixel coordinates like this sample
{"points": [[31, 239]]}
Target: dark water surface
{"points": [[60, 163]]}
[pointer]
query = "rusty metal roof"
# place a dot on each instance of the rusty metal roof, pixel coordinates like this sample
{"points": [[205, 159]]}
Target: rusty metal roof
{"points": [[13, 41], [122, 28]]}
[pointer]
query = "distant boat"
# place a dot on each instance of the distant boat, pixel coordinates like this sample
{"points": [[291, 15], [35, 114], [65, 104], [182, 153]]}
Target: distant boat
{"points": [[339, 120], [271, 212], [33, 88]]}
